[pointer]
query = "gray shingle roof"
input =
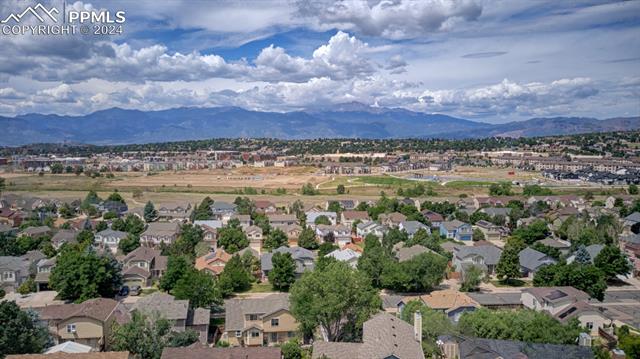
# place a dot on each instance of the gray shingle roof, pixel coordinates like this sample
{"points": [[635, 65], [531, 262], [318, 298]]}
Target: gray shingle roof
{"points": [[510, 349], [299, 254], [236, 309], [490, 253], [452, 225], [531, 259], [166, 305]]}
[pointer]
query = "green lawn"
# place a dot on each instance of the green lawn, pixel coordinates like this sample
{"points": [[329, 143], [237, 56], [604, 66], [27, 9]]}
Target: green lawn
{"points": [[385, 180], [261, 288], [463, 184], [511, 283]]}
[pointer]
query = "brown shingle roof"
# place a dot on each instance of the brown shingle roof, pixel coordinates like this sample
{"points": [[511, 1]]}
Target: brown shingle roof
{"points": [[98, 308], [447, 299]]}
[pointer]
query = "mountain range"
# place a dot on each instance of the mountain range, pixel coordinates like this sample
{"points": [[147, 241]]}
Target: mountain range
{"points": [[120, 126]]}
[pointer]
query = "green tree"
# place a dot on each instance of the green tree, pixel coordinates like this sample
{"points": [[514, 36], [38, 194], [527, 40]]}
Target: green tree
{"points": [[177, 266], [633, 189], [83, 274], [145, 336], [276, 239], [232, 239], [628, 342], [283, 273], [28, 286], [508, 266], [500, 189], [235, 277], [21, 331], [434, 324], [478, 235], [2, 185], [150, 214], [373, 260], [340, 189], [182, 339], [522, 325], [587, 278], [326, 248], [292, 350], [307, 239], [9, 246], [471, 279], [200, 288], [308, 190], [322, 220], [611, 261], [129, 243], [582, 256], [338, 299], [421, 273], [536, 231], [115, 197]]}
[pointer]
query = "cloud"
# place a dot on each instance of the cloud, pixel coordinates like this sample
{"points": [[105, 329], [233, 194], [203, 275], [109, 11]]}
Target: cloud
{"points": [[480, 55], [401, 19]]}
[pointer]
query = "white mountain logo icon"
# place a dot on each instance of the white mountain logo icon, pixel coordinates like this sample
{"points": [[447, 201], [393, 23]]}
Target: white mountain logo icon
{"points": [[33, 11]]}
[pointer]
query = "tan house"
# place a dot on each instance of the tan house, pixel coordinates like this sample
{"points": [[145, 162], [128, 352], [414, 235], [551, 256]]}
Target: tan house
{"points": [[87, 323], [255, 236], [214, 262], [259, 322], [177, 311], [391, 219], [160, 232], [347, 218], [291, 230], [282, 219], [451, 302], [142, 266]]}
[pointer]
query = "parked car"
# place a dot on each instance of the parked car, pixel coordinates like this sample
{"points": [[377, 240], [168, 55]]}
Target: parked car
{"points": [[135, 290], [124, 291]]}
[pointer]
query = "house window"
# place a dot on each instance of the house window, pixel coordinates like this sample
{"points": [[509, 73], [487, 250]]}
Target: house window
{"points": [[275, 322], [255, 334], [253, 316], [590, 325], [71, 328], [238, 333], [291, 334], [274, 337], [7, 275]]}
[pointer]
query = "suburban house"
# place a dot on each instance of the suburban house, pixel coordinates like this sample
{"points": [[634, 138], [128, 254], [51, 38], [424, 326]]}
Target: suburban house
{"points": [[177, 311], [531, 261], [457, 230], [404, 253], [630, 245], [10, 217], [87, 323], [223, 210], [411, 227], [365, 228], [460, 347], [244, 219], [109, 239], [589, 316], [255, 237], [452, 302], [393, 303], [486, 257], [346, 255], [64, 236], [265, 206], [259, 321], [347, 218], [345, 204], [312, 216], [43, 271], [197, 352], [551, 299], [631, 223], [35, 232], [119, 208], [559, 244], [282, 219], [507, 300], [13, 272], [304, 258], [491, 231], [494, 212], [593, 251], [291, 230], [160, 232], [434, 218], [210, 229], [384, 336], [142, 266], [391, 219], [174, 211], [341, 234], [214, 262]]}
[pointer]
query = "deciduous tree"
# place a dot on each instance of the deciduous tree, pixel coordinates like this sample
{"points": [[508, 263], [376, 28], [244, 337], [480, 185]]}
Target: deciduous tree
{"points": [[283, 273]]}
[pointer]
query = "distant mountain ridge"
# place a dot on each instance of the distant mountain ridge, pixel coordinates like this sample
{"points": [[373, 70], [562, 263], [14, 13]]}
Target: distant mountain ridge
{"points": [[350, 120]]}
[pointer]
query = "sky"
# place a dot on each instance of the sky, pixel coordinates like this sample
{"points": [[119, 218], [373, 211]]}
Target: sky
{"points": [[485, 60]]}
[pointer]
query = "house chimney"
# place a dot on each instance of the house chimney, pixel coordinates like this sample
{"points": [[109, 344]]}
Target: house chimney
{"points": [[417, 326]]}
